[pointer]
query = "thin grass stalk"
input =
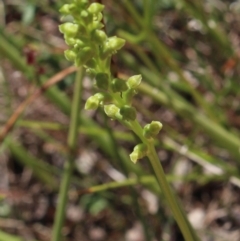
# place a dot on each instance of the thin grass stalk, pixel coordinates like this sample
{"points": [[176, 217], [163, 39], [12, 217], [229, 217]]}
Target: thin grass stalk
{"points": [[174, 101], [148, 7], [196, 9], [151, 179], [178, 213], [150, 64], [161, 53], [68, 167], [215, 131], [11, 52], [194, 154], [41, 170]]}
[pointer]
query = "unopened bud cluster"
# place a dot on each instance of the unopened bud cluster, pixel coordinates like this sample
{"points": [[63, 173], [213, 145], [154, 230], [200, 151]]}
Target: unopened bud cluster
{"points": [[88, 43], [91, 47]]}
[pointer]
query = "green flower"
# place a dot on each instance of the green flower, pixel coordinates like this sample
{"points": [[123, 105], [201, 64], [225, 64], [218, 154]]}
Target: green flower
{"points": [[111, 46], [99, 35], [134, 81], [111, 110], [70, 55], [151, 130], [69, 29], [95, 8], [92, 103], [139, 152]]}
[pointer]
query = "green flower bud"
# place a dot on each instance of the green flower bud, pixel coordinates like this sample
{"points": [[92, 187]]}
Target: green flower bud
{"points": [[118, 85], [70, 55], [102, 80], [134, 81], [111, 110], [146, 131], [79, 44], [128, 113], [92, 103], [70, 41], [65, 9], [84, 14], [111, 46], [69, 29], [115, 43], [139, 151], [99, 36], [98, 17], [151, 130], [95, 8]]}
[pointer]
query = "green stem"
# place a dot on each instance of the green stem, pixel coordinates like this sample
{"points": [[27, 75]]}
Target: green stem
{"points": [[178, 213], [148, 179], [68, 168], [125, 170], [172, 200]]}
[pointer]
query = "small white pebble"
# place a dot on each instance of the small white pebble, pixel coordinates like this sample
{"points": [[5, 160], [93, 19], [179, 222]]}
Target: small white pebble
{"points": [[197, 218]]}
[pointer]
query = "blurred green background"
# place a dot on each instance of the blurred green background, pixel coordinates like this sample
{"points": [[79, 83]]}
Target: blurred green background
{"points": [[188, 54]]}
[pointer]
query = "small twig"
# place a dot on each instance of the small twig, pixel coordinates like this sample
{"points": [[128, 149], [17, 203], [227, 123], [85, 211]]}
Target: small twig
{"points": [[53, 80]]}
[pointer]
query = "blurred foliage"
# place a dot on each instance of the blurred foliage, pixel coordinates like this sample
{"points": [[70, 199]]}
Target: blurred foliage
{"points": [[188, 53]]}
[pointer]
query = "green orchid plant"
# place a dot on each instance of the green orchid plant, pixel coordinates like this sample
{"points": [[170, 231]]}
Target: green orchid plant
{"points": [[89, 46]]}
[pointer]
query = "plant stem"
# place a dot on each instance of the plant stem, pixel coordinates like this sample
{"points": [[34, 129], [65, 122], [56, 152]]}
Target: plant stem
{"points": [[68, 168], [172, 200], [124, 168], [178, 213]]}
